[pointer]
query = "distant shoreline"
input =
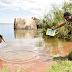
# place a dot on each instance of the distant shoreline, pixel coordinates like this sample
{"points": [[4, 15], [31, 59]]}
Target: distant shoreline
{"points": [[6, 23]]}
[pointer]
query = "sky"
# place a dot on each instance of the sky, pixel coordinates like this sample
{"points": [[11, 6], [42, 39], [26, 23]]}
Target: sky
{"points": [[10, 9]]}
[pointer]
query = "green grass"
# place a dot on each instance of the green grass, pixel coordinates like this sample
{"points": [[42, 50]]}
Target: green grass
{"points": [[7, 70], [64, 66]]}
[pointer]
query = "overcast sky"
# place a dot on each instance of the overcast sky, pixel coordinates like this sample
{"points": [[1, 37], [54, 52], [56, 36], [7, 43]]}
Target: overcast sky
{"points": [[10, 9]]}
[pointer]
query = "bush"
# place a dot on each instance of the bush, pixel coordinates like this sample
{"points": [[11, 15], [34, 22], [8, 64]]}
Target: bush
{"points": [[55, 17], [70, 55]]}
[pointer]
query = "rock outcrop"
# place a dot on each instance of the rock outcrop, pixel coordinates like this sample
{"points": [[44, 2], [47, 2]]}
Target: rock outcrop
{"points": [[34, 18], [20, 23]]}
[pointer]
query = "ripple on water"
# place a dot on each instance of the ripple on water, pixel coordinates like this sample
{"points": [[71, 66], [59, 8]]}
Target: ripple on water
{"points": [[19, 51], [19, 56]]}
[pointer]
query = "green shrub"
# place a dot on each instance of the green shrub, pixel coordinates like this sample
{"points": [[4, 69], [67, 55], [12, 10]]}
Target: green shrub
{"points": [[70, 55], [64, 66], [55, 17]]}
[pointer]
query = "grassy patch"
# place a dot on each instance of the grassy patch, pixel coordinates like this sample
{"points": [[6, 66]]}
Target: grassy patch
{"points": [[64, 66], [5, 70]]}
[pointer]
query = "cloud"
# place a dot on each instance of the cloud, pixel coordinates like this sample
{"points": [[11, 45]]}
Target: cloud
{"points": [[37, 7]]}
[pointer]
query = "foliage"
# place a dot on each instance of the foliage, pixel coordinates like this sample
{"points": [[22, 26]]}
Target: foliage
{"points": [[64, 66], [55, 17], [70, 55], [39, 23], [7, 70]]}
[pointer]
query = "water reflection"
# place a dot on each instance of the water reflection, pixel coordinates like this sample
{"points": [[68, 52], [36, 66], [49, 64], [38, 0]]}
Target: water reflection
{"points": [[56, 46], [20, 34], [50, 46], [45, 45], [30, 45], [22, 49]]}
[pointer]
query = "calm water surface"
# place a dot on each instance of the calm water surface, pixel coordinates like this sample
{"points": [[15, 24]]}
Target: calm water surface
{"points": [[23, 46], [7, 30]]}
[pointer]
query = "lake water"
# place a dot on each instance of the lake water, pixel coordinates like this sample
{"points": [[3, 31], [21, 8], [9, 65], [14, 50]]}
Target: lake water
{"points": [[19, 45], [29, 48], [7, 30]]}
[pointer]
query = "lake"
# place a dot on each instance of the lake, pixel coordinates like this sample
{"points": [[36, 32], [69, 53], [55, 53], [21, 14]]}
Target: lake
{"points": [[29, 49]]}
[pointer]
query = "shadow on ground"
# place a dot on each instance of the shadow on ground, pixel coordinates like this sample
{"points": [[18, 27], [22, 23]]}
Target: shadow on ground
{"points": [[60, 58]]}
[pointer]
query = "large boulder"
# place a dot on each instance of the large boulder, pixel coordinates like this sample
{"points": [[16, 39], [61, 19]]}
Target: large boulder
{"points": [[20, 23]]}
